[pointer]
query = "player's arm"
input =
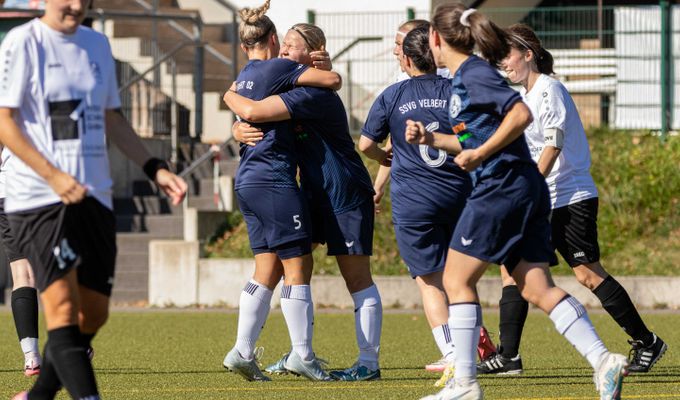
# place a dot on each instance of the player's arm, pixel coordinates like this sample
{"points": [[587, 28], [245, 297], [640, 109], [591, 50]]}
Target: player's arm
{"points": [[319, 78], [374, 152], [381, 180], [266, 110], [124, 137], [417, 134], [546, 161], [64, 185], [245, 133], [513, 125]]}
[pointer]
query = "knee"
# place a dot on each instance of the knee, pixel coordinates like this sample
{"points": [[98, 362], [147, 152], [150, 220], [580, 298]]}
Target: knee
{"points": [[92, 321], [589, 279], [532, 296]]}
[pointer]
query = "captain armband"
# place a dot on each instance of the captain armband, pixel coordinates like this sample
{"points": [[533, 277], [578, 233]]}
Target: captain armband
{"points": [[554, 137]]}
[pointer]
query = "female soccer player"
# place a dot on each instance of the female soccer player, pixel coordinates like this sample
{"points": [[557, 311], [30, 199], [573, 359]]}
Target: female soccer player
{"points": [[506, 218], [336, 185], [273, 208], [59, 98], [420, 175], [24, 296], [559, 146]]}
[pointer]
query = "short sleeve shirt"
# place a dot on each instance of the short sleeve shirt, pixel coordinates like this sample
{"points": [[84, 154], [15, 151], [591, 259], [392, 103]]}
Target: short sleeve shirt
{"points": [[61, 86]]}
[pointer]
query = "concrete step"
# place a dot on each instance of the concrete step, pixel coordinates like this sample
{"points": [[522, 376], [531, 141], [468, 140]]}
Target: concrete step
{"points": [[162, 224], [137, 242], [135, 297], [132, 280], [132, 261]]}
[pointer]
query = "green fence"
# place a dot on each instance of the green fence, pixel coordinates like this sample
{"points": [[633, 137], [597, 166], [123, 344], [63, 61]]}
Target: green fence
{"points": [[616, 61]]}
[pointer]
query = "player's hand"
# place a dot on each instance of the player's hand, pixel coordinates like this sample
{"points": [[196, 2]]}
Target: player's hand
{"points": [[321, 60], [246, 134], [468, 160], [379, 193], [69, 190], [417, 134], [172, 185]]}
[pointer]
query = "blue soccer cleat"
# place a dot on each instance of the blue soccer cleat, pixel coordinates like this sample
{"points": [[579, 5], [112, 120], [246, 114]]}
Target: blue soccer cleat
{"points": [[356, 373]]}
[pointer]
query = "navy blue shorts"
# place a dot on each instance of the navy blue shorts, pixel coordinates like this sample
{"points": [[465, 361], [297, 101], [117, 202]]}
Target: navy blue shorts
{"points": [[506, 219], [277, 221], [346, 233], [424, 247]]}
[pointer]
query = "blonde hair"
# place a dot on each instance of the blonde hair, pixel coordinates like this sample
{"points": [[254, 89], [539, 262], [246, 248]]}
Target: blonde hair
{"points": [[312, 35], [255, 27]]}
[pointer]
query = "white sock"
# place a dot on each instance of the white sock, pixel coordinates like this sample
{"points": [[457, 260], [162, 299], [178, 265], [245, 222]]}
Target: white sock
{"points": [[571, 320], [298, 310], [465, 321], [29, 345], [254, 308], [368, 325], [443, 338]]}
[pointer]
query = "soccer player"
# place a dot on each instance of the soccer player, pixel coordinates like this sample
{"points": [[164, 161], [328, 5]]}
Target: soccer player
{"points": [[24, 296], [337, 188], [420, 175], [558, 144], [506, 218], [59, 98], [273, 207]]}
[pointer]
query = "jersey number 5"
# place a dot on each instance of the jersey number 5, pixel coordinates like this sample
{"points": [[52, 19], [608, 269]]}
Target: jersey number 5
{"points": [[297, 222]]}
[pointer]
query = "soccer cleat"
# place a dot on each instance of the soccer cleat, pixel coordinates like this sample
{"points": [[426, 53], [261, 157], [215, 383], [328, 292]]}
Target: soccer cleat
{"points": [[485, 347], [90, 353], [458, 390], [437, 366], [642, 358], [500, 365], [277, 368], [21, 396], [248, 369], [356, 373], [32, 363], [447, 375], [311, 369], [609, 375]]}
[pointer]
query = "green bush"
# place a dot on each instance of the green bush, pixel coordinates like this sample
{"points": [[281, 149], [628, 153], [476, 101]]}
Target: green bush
{"points": [[638, 179]]}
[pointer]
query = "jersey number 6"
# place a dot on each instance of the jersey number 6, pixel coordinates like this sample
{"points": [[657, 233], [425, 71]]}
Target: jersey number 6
{"points": [[424, 149]]}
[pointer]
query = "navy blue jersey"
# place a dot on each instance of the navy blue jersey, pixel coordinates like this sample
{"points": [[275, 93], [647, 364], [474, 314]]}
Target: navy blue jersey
{"points": [[426, 183], [272, 163], [480, 98], [331, 171]]}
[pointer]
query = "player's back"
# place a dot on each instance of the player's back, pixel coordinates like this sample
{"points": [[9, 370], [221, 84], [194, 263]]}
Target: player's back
{"points": [[272, 163], [331, 171]]}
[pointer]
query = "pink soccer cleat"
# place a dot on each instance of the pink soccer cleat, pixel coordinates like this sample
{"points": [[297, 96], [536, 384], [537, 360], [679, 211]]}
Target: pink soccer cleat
{"points": [[21, 396]]}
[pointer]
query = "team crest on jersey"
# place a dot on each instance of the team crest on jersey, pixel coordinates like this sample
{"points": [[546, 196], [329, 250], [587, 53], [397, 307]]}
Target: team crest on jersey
{"points": [[455, 106]]}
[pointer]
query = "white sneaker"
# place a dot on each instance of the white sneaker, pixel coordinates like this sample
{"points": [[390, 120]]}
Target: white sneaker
{"points": [[32, 363], [609, 376], [248, 369], [458, 390]]}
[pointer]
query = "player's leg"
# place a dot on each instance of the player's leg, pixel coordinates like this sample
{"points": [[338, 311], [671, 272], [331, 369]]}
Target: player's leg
{"points": [[25, 312], [574, 231], [436, 308], [513, 310], [356, 270]]}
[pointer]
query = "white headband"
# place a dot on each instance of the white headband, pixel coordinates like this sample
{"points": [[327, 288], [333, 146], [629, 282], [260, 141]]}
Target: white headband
{"points": [[464, 16], [400, 33]]}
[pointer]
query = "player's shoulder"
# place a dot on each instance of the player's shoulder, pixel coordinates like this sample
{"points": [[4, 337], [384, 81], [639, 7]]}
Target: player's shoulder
{"points": [[22, 34], [282, 64], [551, 87], [90, 34], [478, 69]]}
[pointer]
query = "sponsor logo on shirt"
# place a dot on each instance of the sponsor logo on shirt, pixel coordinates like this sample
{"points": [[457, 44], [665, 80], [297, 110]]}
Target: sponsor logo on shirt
{"points": [[455, 106]]}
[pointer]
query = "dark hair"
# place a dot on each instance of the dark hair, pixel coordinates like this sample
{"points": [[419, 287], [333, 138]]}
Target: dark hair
{"points": [[412, 24], [255, 27], [417, 47], [477, 30], [523, 38]]}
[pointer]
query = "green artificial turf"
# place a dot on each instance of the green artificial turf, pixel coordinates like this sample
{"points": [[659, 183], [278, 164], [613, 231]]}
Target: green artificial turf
{"points": [[178, 355]]}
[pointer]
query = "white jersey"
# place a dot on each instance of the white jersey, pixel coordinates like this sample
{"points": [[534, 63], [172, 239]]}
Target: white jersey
{"points": [[61, 86], [553, 108]]}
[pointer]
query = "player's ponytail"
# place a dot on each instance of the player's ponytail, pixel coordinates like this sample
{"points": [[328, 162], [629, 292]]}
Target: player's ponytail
{"points": [[463, 29], [416, 46], [312, 35], [255, 27], [523, 38]]}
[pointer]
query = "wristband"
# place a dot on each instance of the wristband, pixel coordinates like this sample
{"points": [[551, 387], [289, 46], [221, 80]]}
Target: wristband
{"points": [[152, 166]]}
